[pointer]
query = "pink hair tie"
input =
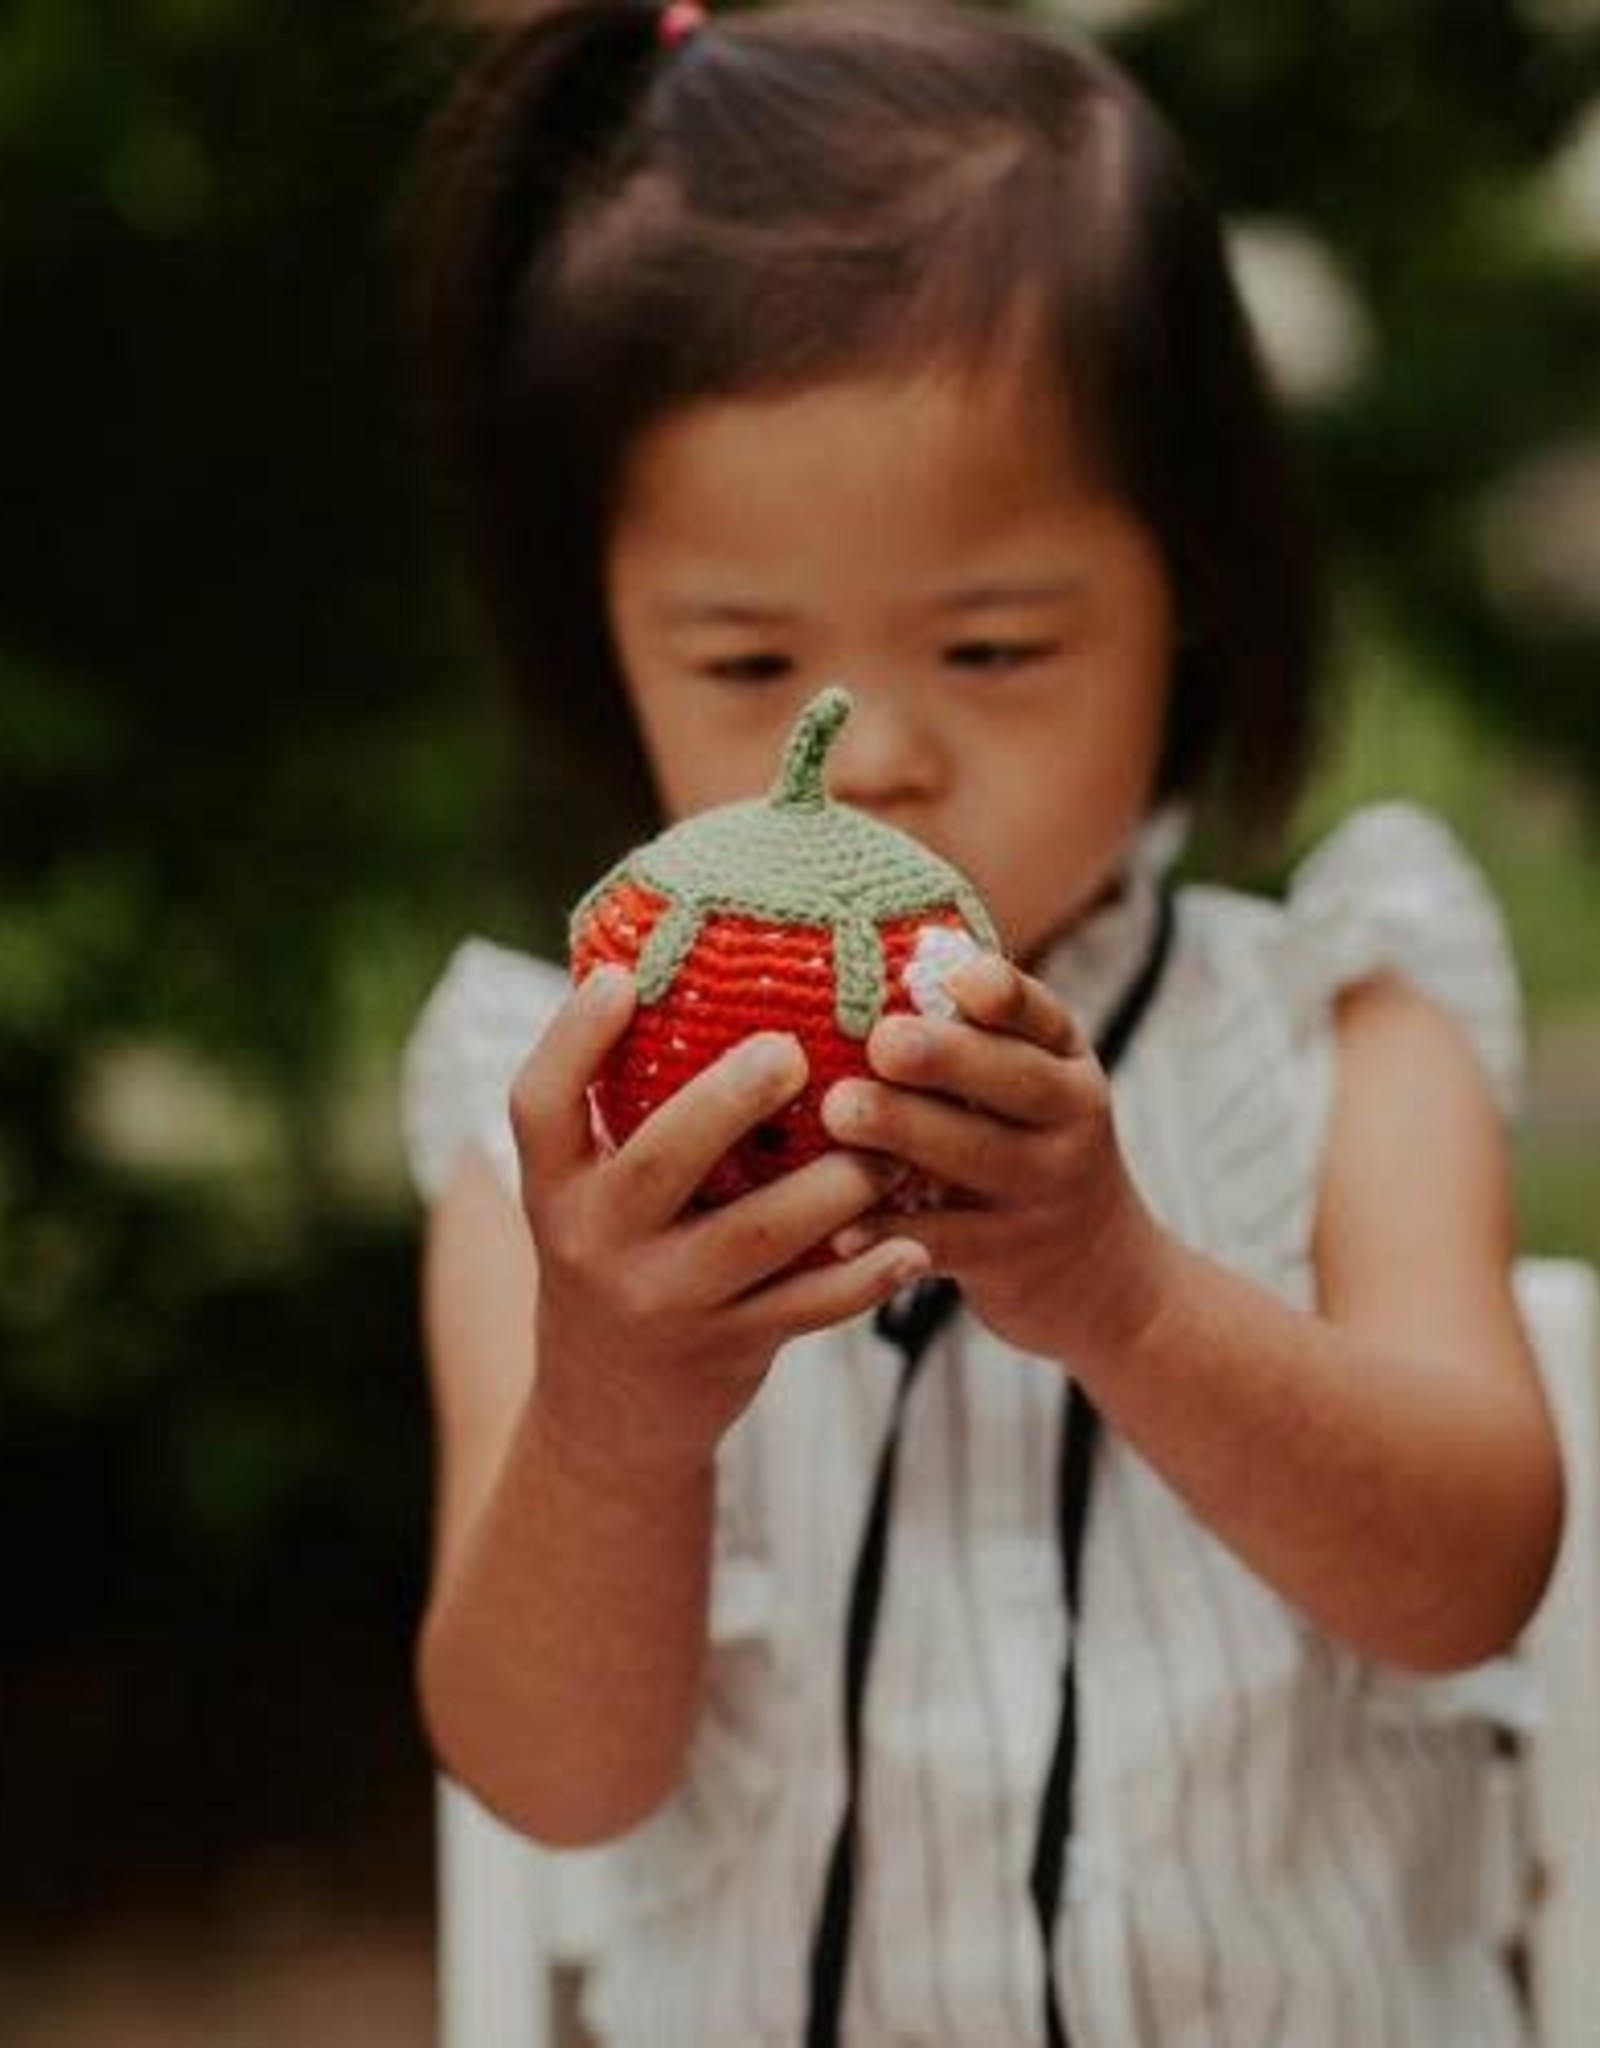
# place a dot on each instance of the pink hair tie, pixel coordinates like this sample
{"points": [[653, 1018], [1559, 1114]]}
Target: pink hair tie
{"points": [[680, 20]]}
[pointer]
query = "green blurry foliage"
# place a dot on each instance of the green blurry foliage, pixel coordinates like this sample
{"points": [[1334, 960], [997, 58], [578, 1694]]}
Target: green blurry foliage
{"points": [[231, 765], [252, 770], [1415, 139]]}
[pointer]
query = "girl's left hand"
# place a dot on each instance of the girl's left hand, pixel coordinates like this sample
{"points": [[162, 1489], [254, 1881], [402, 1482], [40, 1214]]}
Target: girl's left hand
{"points": [[1007, 1107]]}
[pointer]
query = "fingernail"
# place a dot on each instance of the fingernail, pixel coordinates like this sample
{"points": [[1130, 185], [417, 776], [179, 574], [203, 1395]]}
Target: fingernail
{"points": [[772, 1056], [842, 1108], [903, 1039], [600, 985], [913, 1263], [984, 975], [850, 1242]]}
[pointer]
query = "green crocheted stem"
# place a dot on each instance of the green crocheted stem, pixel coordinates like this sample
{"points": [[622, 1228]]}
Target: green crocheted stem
{"points": [[800, 783]]}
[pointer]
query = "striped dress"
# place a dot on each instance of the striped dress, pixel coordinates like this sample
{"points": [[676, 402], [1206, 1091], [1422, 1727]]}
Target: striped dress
{"points": [[1276, 1842]]}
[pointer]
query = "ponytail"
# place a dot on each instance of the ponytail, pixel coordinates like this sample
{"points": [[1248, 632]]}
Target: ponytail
{"points": [[527, 131], [534, 127]]}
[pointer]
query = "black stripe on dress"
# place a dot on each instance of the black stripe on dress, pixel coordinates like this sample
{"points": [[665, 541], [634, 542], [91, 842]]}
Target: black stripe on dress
{"points": [[911, 1322]]}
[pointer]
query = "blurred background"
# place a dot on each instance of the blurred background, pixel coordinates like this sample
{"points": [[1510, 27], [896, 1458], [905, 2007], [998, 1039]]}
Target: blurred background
{"points": [[255, 782]]}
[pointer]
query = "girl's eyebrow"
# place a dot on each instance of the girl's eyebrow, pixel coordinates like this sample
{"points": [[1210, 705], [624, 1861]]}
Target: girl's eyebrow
{"points": [[721, 612], [1007, 596], [973, 598]]}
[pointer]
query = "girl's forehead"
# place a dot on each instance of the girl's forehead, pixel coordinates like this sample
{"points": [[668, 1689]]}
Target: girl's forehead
{"points": [[1006, 435], [874, 501]]}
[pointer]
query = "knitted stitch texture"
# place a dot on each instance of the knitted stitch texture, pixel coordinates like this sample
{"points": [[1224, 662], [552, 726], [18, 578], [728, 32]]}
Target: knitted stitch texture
{"points": [[794, 913]]}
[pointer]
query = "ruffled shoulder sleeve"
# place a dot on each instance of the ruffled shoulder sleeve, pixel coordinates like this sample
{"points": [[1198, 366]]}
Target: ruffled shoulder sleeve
{"points": [[476, 1028], [1392, 890], [1251, 1011]]}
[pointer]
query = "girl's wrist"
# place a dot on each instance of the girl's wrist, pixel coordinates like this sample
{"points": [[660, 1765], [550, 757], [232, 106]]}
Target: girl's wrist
{"points": [[589, 1441], [1134, 1264]]}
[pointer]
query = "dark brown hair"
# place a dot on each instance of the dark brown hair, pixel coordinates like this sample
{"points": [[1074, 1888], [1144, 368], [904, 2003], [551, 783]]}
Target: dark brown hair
{"points": [[613, 228]]}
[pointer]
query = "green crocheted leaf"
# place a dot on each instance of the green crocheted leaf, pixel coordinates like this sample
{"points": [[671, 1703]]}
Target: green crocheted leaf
{"points": [[670, 943], [860, 977]]}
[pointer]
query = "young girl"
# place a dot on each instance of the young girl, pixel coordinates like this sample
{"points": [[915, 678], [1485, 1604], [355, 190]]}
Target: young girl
{"points": [[1110, 1653]]}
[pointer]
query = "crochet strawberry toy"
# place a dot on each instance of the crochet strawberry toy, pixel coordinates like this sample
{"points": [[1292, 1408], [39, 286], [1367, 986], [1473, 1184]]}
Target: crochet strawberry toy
{"points": [[792, 913]]}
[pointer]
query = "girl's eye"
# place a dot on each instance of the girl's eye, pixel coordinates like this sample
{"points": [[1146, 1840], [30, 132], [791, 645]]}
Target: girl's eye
{"points": [[751, 668], [996, 656]]}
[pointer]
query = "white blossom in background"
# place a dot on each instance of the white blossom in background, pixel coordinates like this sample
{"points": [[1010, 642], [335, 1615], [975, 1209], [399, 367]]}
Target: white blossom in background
{"points": [[1572, 184], [1539, 537], [1308, 315], [161, 1109], [1101, 17]]}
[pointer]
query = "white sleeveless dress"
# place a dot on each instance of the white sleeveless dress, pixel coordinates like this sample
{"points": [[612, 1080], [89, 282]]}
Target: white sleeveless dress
{"points": [[1278, 1844]]}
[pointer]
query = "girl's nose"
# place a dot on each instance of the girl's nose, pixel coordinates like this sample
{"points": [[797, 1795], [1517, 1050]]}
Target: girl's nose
{"points": [[888, 753]]}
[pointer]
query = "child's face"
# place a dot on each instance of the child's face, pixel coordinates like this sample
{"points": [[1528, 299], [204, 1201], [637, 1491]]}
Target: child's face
{"points": [[938, 546]]}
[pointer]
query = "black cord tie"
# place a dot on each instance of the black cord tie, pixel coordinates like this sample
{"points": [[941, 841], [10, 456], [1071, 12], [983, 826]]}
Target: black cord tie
{"points": [[911, 1322]]}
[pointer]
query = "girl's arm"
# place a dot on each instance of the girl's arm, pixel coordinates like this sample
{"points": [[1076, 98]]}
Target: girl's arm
{"points": [[1387, 1463], [561, 1653], [587, 1352]]}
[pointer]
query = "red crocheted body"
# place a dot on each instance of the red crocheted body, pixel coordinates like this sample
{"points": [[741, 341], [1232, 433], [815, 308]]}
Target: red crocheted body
{"points": [[743, 975]]}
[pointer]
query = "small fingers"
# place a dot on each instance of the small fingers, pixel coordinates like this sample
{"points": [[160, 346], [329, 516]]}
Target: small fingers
{"points": [[549, 1103], [999, 996], [765, 1232], [961, 1147], [954, 1239], [799, 1303], [656, 1174], [1009, 1077]]}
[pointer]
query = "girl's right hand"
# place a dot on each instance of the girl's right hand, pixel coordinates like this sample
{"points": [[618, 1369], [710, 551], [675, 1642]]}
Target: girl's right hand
{"points": [[657, 1322]]}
